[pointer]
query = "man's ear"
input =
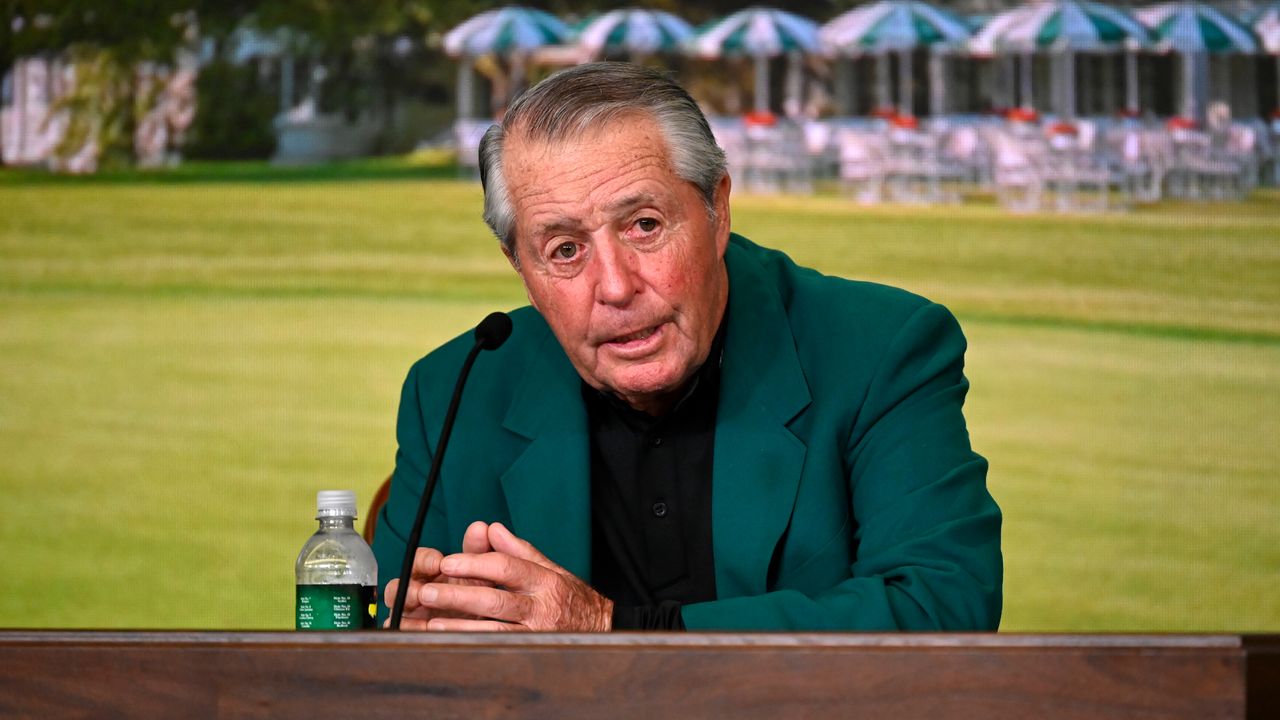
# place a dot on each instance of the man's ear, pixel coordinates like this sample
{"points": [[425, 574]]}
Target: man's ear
{"points": [[723, 219], [511, 257]]}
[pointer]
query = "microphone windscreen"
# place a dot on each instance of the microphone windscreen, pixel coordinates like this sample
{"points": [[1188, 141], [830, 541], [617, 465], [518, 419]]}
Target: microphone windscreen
{"points": [[493, 330]]}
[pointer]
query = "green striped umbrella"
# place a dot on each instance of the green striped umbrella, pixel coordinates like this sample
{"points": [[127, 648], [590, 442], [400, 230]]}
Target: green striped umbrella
{"points": [[756, 32], [1078, 25], [1266, 23], [506, 31], [633, 31], [1189, 27], [894, 25], [1063, 27], [1195, 30], [760, 33], [510, 29]]}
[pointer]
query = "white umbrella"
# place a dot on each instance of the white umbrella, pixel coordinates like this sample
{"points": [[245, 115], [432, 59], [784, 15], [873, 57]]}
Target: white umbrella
{"points": [[894, 26], [1194, 30], [1064, 27], [634, 31], [760, 33]]}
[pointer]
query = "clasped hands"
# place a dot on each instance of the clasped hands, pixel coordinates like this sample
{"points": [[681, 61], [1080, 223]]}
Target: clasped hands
{"points": [[498, 582]]}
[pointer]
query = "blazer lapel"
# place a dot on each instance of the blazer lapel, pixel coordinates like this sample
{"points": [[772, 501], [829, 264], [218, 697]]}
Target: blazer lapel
{"points": [[548, 487], [757, 460]]}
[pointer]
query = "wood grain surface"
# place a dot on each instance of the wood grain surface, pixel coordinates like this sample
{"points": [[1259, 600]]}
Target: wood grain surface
{"points": [[652, 676]]}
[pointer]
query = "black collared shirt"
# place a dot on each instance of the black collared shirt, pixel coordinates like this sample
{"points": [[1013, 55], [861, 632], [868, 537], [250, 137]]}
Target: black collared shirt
{"points": [[651, 501]]}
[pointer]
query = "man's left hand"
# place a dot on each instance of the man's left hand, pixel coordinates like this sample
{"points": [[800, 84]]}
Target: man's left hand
{"points": [[529, 592]]}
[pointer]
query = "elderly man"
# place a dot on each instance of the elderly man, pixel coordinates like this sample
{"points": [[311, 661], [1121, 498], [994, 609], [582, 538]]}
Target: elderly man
{"points": [[685, 430]]}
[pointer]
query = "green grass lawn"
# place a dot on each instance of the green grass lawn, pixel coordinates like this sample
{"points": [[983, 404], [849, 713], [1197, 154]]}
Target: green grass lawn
{"points": [[185, 359]]}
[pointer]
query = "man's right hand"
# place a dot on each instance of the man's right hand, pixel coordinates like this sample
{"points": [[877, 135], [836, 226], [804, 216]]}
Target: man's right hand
{"points": [[426, 569]]}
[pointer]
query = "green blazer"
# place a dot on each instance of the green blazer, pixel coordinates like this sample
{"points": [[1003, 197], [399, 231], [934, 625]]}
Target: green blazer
{"points": [[845, 494]]}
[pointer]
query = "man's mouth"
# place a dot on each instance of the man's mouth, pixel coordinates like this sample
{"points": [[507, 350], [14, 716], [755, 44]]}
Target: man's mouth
{"points": [[636, 344], [638, 335]]}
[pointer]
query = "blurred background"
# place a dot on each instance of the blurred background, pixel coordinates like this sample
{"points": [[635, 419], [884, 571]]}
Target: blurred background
{"points": [[228, 228]]}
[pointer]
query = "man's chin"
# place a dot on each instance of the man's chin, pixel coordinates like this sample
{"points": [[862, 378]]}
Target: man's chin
{"points": [[644, 391]]}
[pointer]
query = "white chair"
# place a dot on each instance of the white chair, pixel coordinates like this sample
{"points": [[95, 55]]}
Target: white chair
{"points": [[1139, 173], [1074, 171], [917, 172], [776, 159], [1018, 181], [965, 149], [1079, 182], [1241, 146], [1199, 172], [862, 165], [820, 146]]}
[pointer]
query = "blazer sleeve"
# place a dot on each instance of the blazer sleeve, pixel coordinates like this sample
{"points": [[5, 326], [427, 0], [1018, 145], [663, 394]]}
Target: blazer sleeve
{"points": [[413, 462], [926, 533]]}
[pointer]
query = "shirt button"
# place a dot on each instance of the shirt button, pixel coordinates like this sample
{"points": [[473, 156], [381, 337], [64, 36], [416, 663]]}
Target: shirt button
{"points": [[660, 509], [656, 441]]}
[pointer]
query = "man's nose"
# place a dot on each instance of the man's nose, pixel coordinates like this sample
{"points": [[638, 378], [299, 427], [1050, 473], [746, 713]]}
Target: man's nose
{"points": [[617, 279]]}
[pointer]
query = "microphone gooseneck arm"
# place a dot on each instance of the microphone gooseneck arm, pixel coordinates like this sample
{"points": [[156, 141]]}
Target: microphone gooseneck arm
{"points": [[490, 334]]}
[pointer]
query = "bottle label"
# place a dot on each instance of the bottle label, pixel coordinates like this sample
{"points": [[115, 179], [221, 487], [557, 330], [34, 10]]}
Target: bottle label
{"points": [[335, 607]]}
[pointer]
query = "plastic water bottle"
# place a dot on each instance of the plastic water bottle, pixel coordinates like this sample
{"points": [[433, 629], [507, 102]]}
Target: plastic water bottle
{"points": [[336, 571]]}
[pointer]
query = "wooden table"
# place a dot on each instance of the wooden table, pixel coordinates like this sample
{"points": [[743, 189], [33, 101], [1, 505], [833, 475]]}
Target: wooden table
{"points": [[54, 674]]}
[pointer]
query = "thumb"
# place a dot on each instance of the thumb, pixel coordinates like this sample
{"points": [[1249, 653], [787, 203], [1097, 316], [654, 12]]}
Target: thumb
{"points": [[505, 541]]}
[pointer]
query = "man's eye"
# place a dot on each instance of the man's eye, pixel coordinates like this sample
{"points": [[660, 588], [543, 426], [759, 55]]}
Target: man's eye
{"points": [[565, 251], [647, 224]]}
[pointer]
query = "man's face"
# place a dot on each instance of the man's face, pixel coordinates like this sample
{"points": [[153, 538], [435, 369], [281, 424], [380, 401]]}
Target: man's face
{"points": [[619, 255]]}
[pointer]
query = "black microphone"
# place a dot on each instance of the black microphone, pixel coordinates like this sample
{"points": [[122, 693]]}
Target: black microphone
{"points": [[490, 334]]}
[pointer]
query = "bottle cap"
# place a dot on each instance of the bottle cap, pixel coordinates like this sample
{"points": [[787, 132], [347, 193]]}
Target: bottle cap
{"points": [[334, 503]]}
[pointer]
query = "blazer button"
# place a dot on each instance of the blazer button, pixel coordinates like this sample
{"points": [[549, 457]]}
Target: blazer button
{"points": [[660, 509]]}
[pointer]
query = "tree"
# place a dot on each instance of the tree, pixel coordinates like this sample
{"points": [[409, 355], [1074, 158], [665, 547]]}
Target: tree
{"points": [[106, 42], [104, 45]]}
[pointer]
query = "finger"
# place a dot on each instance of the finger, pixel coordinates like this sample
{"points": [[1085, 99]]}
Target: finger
{"points": [[464, 625], [426, 564], [389, 594], [475, 541], [476, 538], [418, 619], [493, 568], [476, 600], [410, 598], [412, 620], [505, 541], [415, 624]]}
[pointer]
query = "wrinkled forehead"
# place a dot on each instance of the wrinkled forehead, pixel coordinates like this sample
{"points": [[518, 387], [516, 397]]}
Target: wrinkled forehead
{"points": [[587, 180]]}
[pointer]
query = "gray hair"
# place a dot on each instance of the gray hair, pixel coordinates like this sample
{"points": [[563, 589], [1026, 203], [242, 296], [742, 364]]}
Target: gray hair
{"points": [[573, 101]]}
